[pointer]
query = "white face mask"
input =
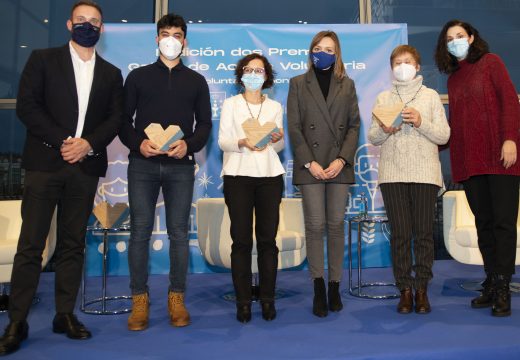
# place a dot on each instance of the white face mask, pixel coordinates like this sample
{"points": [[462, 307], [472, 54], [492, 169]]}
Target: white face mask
{"points": [[404, 72], [170, 47]]}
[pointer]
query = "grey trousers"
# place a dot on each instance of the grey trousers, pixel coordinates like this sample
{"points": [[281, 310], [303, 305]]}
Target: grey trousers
{"points": [[324, 212]]}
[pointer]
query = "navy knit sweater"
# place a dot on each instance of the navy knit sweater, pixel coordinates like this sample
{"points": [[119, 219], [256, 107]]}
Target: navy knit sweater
{"points": [[156, 94]]}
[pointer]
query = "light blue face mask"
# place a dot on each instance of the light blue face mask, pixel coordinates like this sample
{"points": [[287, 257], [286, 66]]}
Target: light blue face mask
{"points": [[459, 48], [253, 81]]}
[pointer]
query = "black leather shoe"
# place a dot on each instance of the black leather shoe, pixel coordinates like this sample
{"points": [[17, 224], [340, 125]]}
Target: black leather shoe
{"points": [[334, 296], [268, 311], [319, 303], [70, 325], [14, 334], [244, 313]]}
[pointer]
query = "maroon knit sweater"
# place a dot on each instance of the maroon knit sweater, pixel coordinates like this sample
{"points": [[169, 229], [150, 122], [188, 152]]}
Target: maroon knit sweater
{"points": [[483, 113]]}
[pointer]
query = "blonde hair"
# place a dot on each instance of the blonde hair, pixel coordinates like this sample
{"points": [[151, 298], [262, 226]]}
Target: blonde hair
{"points": [[339, 67]]}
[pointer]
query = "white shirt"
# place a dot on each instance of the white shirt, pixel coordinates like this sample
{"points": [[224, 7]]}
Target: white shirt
{"points": [[84, 74], [242, 161]]}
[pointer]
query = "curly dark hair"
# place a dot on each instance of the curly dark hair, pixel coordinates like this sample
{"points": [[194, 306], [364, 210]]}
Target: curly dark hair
{"points": [[269, 72], [448, 63], [172, 20]]}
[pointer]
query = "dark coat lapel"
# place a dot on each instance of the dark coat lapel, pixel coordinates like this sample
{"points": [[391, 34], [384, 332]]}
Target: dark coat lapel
{"points": [[68, 74], [317, 95], [97, 80], [334, 89]]}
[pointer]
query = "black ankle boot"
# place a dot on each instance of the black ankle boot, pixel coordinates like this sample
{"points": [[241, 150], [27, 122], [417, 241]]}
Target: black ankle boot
{"points": [[268, 310], [319, 303], [502, 300], [244, 313], [335, 303], [485, 299]]}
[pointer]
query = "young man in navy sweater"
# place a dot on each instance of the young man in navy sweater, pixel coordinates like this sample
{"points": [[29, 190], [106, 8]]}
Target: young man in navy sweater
{"points": [[168, 93]]}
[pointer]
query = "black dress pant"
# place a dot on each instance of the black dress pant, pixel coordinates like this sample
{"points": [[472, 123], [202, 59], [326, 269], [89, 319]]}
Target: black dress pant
{"points": [[493, 199], [74, 191], [243, 195], [410, 208]]}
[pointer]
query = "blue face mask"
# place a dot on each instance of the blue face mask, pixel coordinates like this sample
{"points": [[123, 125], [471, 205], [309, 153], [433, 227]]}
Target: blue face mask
{"points": [[253, 81], [459, 48], [322, 60], [85, 34]]}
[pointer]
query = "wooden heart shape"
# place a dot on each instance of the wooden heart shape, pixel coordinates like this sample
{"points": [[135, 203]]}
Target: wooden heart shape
{"points": [[163, 138], [259, 135], [390, 116], [111, 216]]}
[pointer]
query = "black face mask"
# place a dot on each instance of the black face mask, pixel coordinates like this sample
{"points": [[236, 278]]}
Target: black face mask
{"points": [[85, 34]]}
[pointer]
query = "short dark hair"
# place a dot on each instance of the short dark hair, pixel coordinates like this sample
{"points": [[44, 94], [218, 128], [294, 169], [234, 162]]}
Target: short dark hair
{"points": [[172, 20], [269, 72], [446, 62], [405, 49], [86, 3]]}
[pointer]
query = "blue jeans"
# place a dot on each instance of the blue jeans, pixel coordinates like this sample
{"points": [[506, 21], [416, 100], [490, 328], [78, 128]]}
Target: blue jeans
{"points": [[145, 179]]}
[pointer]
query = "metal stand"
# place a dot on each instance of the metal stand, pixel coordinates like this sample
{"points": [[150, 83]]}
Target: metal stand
{"points": [[104, 298], [357, 290]]}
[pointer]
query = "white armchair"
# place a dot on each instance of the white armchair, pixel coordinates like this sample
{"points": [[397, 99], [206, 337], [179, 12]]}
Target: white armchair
{"points": [[213, 228], [460, 233], [10, 225]]}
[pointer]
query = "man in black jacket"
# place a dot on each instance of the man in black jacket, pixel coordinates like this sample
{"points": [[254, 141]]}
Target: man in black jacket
{"points": [[70, 101], [168, 93]]}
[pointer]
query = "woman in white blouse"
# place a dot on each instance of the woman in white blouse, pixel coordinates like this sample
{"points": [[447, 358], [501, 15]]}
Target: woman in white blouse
{"points": [[253, 182]]}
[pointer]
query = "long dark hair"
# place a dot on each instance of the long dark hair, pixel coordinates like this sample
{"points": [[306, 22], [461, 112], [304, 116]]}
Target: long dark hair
{"points": [[448, 63]]}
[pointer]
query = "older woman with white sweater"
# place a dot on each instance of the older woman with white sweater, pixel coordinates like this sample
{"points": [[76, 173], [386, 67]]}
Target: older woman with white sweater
{"points": [[410, 175]]}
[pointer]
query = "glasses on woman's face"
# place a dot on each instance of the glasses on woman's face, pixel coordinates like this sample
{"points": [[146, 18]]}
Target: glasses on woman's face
{"points": [[249, 70]]}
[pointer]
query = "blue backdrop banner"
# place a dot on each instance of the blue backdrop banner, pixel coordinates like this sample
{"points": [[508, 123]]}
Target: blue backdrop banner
{"points": [[213, 50]]}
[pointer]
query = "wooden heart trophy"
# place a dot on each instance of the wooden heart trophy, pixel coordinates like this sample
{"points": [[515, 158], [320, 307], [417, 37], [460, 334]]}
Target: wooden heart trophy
{"points": [[389, 116], [259, 135], [161, 137], [111, 217]]}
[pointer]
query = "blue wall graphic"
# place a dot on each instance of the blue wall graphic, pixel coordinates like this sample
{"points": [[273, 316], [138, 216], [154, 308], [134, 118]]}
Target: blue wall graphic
{"points": [[213, 50]]}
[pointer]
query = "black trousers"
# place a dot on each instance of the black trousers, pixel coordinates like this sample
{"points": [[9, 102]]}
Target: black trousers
{"points": [[493, 199], [74, 191], [410, 208], [243, 195]]}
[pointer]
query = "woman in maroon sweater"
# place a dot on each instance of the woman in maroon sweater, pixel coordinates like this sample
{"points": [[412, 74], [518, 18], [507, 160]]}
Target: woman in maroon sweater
{"points": [[484, 116]]}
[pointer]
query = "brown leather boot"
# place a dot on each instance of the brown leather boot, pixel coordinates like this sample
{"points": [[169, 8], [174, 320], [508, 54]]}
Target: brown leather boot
{"points": [[422, 305], [405, 305], [179, 315], [138, 319]]}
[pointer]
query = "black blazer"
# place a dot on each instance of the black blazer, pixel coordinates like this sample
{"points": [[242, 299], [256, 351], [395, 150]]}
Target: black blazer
{"points": [[47, 104]]}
